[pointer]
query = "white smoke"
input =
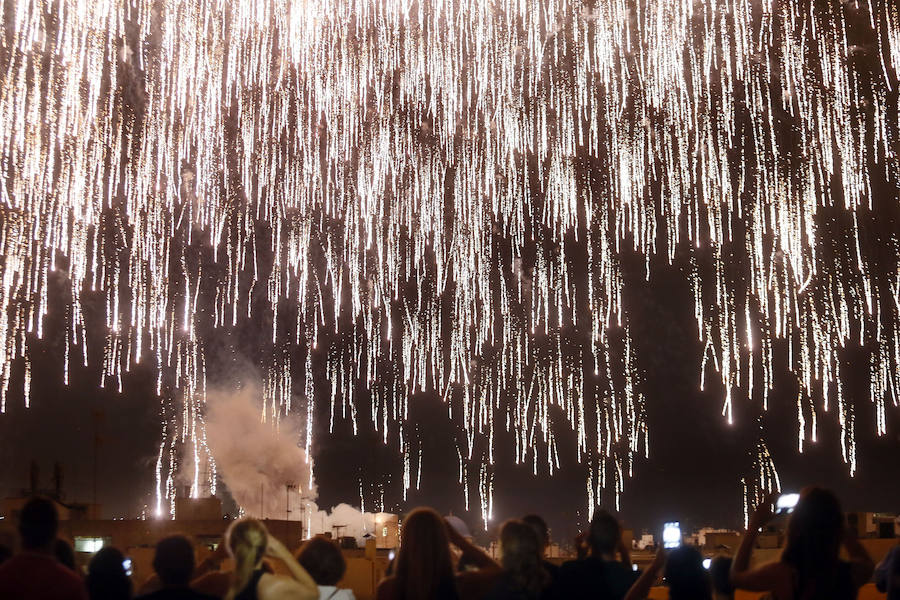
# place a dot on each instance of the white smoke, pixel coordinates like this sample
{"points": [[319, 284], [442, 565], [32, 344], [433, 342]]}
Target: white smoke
{"points": [[266, 471], [343, 520]]}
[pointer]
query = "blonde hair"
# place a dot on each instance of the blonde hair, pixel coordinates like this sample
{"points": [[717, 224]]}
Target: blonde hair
{"points": [[246, 541]]}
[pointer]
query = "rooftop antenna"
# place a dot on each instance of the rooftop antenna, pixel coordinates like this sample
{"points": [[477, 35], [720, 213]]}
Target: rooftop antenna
{"points": [[287, 499]]}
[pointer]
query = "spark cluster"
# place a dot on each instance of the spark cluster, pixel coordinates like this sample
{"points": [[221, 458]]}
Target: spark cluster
{"points": [[438, 196]]}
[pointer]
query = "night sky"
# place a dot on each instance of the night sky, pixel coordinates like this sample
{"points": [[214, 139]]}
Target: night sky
{"points": [[696, 458], [693, 474]]}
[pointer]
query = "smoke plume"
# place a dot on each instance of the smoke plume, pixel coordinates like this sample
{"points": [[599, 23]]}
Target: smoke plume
{"points": [[266, 472], [257, 460]]}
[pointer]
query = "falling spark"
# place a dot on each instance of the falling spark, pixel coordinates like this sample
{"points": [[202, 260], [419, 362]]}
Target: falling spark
{"points": [[408, 179]]}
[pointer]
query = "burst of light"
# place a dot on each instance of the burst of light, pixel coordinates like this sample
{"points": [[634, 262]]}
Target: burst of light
{"points": [[450, 186]]}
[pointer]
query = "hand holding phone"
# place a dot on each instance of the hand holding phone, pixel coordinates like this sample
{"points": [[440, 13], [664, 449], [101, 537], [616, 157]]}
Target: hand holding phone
{"points": [[671, 534], [785, 503], [762, 514]]}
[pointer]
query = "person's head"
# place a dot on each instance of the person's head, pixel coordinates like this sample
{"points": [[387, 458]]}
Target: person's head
{"points": [[814, 532], [246, 541], [174, 561], [63, 552], [605, 534], [521, 549], [38, 524], [106, 578], [539, 525], [323, 560], [687, 578], [424, 566]]}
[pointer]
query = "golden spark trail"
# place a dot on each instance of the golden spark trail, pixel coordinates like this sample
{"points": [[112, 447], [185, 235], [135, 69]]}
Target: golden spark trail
{"points": [[436, 197]]}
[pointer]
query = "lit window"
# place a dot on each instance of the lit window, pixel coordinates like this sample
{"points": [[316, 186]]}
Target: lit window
{"points": [[89, 544]]}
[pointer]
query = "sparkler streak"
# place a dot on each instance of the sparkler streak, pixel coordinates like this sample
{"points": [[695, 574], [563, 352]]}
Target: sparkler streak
{"points": [[442, 192]]}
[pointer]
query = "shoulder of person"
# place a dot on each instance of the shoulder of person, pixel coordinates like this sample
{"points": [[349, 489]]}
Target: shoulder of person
{"points": [[66, 574], [331, 592], [280, 586]]}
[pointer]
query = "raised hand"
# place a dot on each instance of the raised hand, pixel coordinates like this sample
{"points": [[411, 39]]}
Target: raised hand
{"points": [[455, 537], [763, 513], [276, 549]]}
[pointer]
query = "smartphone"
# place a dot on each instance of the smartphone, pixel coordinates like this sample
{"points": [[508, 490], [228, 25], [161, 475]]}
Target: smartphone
{"points": [[671, 534], [126, 564], [786, 503]]}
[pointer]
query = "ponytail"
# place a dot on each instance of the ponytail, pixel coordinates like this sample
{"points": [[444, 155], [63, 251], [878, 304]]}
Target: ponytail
{"points": [[246, 541]]}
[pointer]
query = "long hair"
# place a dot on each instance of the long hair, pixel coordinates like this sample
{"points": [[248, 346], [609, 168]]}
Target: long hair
{"points": [[687, 578], [246, 541], [814, 534], [522, 549], [424, 566]]}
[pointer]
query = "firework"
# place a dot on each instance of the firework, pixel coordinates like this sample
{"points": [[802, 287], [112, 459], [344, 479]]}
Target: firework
{"points": [[436, 196]]}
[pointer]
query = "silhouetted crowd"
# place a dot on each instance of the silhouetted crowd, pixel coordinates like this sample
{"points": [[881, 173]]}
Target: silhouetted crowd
{"points": [[821, 559]]}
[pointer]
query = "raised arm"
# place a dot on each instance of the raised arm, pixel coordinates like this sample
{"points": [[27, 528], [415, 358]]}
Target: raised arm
{"points": [[770, 577], [213, 562], [741, 562], [470, 551], [758, 520], [641, 588], [300, 586]]}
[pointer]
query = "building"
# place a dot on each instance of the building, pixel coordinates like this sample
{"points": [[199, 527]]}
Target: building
{"points": [[874, 525], [387, 531], [713, 539], [644, 542]]}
